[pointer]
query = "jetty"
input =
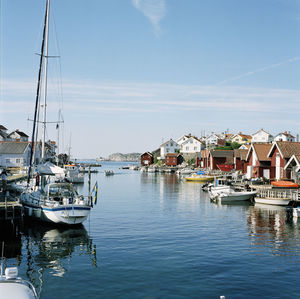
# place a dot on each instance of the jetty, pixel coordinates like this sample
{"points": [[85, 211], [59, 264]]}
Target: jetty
{"points": [[10, 209]]}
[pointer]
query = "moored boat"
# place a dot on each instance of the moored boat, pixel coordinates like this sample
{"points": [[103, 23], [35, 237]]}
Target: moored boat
{"points": [[284, 184], [199, 178], [12, 286]]}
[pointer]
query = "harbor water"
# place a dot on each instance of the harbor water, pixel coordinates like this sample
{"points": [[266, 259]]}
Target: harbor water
{"points": [[155, 236]]}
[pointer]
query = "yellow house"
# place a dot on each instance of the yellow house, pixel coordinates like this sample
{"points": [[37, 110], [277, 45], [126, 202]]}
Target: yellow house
{"points": [[241, 138]]}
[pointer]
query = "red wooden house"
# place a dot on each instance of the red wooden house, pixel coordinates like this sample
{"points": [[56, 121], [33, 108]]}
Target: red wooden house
{"points": [[146, 159], [222, 157], [239, 158], [173, 159], [258, 162], [280, 153]]}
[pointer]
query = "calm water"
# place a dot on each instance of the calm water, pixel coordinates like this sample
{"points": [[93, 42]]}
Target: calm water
{"points": [[154, 236]]}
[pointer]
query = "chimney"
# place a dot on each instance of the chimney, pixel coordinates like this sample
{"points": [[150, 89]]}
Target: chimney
{"points": [[297, 137]]}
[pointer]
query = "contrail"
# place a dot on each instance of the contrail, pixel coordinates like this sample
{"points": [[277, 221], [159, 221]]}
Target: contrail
{"points": [[262, 69]]}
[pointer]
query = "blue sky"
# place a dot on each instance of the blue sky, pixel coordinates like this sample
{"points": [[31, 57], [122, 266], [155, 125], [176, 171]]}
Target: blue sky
{"points": [[135, 73]]}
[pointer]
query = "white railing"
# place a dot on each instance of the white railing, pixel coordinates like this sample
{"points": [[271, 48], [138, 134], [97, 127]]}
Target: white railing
{"points": [[290, 194]]}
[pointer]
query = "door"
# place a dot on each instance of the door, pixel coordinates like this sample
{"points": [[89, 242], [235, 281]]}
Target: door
{"points": [[277, 175], [266, 173]]}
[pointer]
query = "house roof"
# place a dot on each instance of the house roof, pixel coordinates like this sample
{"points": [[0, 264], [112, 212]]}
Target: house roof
{"points": [[295, 158], [13, 147], [241, 153], [285, 133], [263, 131], [285, 148], [172, 155], [3, 134], [2, 128], [171, 140], [221, 153], [261, 150], [243, 136], [245, 145], [147, 153], [22, 134]]}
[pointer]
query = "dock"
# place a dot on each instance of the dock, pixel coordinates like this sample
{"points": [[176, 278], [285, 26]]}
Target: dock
{"points": [[10, 209]]}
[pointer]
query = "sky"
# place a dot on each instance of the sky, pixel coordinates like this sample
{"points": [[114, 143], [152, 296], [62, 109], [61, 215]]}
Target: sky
{"points": [[132, 74]]}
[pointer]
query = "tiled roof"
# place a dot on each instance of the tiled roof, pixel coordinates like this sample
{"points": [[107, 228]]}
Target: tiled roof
{"points": [[13, 147], [22, 134], [262, 150], [241, 153], [221, 153], [287, 148]]}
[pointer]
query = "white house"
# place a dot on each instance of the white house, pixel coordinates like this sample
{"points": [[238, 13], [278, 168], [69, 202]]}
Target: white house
{"points": [[191, 145], [183, 139], [261, 136], [14, 154], [17, 136], [285, 136], [212, 139], [169, 147]]}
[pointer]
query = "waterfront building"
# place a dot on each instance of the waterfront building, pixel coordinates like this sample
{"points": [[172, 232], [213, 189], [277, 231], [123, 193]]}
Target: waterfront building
{"points": [[17, 136], [219, 157], [146, 159], [258, 161], [173, 159], [262, 136], [239, 159], [14, 154], [169, 147], [280, 153]]}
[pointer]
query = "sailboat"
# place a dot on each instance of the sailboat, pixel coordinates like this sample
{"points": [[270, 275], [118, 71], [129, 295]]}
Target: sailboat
{"points": [[56, 202]]}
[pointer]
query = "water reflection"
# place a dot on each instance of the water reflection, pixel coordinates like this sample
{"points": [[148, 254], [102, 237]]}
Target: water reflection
{"points": [[274, 228], [39, 248]]}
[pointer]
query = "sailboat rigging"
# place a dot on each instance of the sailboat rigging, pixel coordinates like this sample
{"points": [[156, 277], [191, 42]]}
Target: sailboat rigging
{"points": [[57, 201]]}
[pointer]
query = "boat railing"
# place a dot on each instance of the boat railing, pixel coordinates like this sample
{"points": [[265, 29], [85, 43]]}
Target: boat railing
{"points": [[290, 194]]}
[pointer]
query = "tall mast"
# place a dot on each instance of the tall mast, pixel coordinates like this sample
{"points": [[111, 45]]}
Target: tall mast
{"points": [[45, 78], [38, 93]]}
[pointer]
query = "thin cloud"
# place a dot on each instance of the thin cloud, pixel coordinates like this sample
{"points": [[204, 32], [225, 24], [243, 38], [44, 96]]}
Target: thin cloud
{"points": [[154, 10]]}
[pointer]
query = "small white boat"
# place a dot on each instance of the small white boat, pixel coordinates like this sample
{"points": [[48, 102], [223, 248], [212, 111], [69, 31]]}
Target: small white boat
{"points": [[12, 286], [236, 196], [230, 195], [273, 201]]}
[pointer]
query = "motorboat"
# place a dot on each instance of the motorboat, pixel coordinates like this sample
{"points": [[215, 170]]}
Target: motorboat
{"points": [[13, 286], [230, 195], [199, 178]]}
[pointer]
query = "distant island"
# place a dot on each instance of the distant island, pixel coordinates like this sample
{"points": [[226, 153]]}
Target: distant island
{"points": [[131, 157]]}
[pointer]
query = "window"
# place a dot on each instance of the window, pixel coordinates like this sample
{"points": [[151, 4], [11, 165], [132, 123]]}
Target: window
{"points": [[186, 148], [171, 143], [7, 161], [195, 148], [18, 161]]}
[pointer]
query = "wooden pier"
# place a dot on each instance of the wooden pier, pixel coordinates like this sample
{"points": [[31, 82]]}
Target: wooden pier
{"points": [[10, 209]]}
